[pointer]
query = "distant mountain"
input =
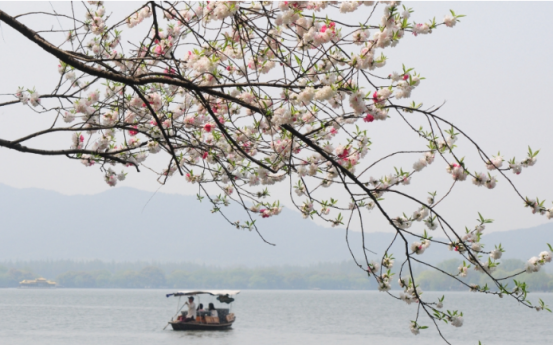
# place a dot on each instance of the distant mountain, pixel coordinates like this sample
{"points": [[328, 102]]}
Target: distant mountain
{"points": [[38, 224]]}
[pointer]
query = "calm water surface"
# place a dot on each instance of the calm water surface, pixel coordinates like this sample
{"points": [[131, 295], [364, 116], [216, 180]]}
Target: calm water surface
{"points": [[83, 316]]}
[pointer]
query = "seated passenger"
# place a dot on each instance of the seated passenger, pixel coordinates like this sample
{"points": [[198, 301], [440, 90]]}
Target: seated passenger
{"points": [[213, 310], [200, 307]]}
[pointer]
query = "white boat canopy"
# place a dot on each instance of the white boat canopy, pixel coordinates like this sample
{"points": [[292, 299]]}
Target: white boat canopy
{"points": [[210, 292]]}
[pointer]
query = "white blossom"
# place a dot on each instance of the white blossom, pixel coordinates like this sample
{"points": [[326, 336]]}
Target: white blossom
{"points": [[532, 265], [457, 321]]}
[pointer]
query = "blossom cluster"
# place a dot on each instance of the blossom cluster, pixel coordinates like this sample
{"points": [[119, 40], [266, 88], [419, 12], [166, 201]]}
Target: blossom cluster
{"points": [[30, 97], [534, 263], [412, 293]]}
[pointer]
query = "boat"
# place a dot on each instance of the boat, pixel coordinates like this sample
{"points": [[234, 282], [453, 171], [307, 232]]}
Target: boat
{"points": [[204, 321], [37, 283]]}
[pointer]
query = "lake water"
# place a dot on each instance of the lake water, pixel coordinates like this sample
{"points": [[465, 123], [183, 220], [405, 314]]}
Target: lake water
{"points": [[118, 316]]}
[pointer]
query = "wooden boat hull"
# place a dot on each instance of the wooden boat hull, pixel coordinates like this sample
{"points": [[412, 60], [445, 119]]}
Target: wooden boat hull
{"points": [[179, 325]]}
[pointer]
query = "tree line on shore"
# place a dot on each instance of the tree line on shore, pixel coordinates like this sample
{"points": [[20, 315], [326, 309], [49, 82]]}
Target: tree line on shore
{"points": [[98, 274]]}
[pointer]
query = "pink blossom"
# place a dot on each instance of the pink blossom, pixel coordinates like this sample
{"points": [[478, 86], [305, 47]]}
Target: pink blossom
{"points": [[344, 153], [353, 159], [159, 50], [265, 213], [369, 118], [330, 27], [133, 132]]}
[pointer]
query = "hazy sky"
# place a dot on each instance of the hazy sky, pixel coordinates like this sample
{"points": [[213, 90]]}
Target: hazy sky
{"points": [[494, 70]]}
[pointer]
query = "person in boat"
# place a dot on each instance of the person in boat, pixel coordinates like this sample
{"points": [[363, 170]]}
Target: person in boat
{"points": [[200, 307], [191, 314], [213, 310]]}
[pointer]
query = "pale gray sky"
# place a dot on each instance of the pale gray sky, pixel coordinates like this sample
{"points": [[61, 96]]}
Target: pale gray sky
{"points": [[494, 70]]}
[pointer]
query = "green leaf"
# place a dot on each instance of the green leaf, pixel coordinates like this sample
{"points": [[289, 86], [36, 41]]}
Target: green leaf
{"points": [[299, 62]]}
